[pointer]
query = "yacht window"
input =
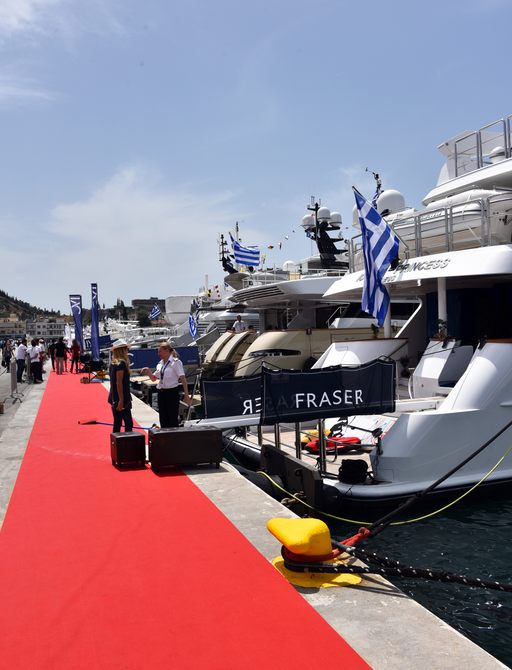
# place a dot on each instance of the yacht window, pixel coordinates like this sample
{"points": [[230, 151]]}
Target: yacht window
{"points": [[274, 352]]}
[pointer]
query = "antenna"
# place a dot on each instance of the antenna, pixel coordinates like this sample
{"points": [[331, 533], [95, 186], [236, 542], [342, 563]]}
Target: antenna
{"points": [[378, 185]]}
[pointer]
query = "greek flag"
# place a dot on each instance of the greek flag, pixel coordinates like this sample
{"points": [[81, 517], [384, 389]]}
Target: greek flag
{"points": [[380, 248], [155, 312], [192, 326], [245, 255]]}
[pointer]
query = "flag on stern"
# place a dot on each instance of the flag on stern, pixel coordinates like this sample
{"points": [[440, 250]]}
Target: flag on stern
{"points": [[155, 312], [380, 248], [192, 326], [245, 255], [95, 330]]}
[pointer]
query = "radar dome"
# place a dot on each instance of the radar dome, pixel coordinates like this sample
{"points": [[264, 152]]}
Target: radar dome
{"points": [[335, 218], [324, 213], [308, 221], [390, 201], [289, 266]]}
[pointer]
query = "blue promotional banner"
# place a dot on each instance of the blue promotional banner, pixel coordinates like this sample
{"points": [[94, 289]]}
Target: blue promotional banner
{"points": [[95, 329], [148, 358], [76, 311], [104, 342]]}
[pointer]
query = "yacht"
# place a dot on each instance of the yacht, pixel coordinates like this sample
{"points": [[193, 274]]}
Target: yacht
{"points": [[456, 265], [296, 322]]}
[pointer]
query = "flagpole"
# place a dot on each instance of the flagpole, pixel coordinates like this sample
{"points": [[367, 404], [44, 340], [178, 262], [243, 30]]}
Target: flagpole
{"points": [[387, 322]]}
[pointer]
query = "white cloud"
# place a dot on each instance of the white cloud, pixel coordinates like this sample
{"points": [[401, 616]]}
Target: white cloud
{"points": [[21, 89], [18, 16], [64, 18], [134, 235]]}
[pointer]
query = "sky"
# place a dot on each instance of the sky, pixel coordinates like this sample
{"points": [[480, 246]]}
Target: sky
{"points": [[134, 133]]}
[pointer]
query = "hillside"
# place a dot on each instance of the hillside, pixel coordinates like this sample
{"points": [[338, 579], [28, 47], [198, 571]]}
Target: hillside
{"points": [[23, 310]]}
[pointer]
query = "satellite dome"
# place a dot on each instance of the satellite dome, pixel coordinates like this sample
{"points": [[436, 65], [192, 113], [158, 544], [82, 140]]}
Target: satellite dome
{"points": [[289, 266], [324, 214], [308, 221], [390, 201], [335, 219]]}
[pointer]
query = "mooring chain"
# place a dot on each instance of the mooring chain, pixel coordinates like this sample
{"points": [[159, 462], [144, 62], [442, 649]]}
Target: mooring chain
{"points": [[388, 567]]}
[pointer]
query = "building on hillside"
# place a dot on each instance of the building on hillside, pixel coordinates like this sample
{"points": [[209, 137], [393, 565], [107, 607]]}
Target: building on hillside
{"points": [[47, 329], [11, 327]]}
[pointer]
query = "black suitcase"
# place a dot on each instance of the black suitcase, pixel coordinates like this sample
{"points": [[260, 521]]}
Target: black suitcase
{"points": [[185, 446], [128, 448]]}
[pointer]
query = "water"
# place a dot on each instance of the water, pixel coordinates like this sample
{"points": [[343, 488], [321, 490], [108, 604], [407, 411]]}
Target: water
{"points": [[474, 540]]}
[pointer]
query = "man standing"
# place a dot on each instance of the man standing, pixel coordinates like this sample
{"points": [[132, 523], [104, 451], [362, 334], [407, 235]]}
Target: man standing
{"points": [[239, 325], [60, 355], [21, 353]]}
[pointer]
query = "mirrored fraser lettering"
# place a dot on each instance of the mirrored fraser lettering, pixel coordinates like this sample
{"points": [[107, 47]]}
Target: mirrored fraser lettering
{"points": [[251, 406]]}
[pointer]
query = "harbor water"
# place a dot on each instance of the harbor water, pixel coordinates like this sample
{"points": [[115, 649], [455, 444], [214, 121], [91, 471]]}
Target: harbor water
{"points": [[470, 539]]}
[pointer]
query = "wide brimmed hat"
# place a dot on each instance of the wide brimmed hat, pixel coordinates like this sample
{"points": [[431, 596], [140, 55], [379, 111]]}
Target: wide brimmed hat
{"points": [[119, 344]]}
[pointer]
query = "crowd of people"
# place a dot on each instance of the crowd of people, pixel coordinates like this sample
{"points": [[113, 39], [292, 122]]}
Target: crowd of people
{"points": [[169, 373], [30, 357]]}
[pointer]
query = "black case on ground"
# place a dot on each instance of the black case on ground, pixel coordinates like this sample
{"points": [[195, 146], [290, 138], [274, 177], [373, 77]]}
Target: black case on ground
{"points": [[128, 448], [185, 446]]}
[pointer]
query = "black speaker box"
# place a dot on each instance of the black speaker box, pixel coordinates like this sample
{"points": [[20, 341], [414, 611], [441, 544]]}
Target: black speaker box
{"points": [[185, 446], [128, 448]]}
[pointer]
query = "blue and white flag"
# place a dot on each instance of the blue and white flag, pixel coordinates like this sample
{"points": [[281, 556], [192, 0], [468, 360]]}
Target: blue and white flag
{"points": [[155, 312], [95, 328], [380, 248], [76, 309], [192, 326], [245, 255]]}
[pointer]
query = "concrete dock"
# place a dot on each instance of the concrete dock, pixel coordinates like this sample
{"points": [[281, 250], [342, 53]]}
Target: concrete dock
{"points": [[385, 627]]}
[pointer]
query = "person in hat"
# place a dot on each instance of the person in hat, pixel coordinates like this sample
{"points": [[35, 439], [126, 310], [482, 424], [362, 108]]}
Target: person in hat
{"points": [[170, 374], [119, 396]]}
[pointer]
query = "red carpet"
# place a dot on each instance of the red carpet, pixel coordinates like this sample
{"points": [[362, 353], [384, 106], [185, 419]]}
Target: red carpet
{"points": [[109, 569]]}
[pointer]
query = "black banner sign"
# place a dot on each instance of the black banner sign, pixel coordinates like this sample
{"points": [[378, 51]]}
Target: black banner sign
{"points": [[231, 397], [290, 396]]}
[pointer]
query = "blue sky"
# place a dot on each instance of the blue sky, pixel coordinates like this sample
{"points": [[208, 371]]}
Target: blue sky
{"points": [[133, 133]]}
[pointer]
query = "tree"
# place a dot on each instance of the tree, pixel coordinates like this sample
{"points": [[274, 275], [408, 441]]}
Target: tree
{"points": [[143, 318]]}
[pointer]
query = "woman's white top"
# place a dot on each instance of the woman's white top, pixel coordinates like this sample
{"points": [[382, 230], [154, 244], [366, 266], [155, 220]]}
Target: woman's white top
{"points": [[168, 373]]}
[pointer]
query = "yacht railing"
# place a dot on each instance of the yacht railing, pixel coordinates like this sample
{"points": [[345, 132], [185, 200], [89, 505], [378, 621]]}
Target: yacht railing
{"points": [[479, 148], [474, 223], [270, 277]]}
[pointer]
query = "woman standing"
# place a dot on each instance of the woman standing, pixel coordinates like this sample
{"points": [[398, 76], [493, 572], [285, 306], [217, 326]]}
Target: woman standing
{"points": [[7, 354], [119, 396], [169, 373]]}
